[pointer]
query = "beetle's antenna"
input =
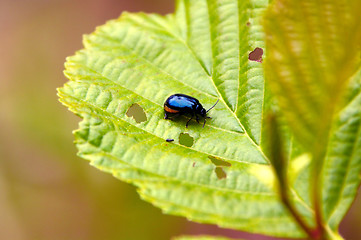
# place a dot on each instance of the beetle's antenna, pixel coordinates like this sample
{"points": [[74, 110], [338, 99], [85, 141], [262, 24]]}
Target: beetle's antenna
{"points": [[213, 106]]}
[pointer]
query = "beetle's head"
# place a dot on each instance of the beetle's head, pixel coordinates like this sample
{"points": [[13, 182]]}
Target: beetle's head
{"points": [[203, 112]]}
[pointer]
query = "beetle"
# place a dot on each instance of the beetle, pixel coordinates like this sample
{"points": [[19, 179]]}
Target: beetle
{"points": [[180, 104]]}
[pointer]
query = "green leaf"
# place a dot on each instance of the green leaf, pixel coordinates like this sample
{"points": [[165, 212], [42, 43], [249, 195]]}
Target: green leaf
{"points": [[221, 33], [223, 176], [202, 238], [341, 174], [201, 50], [273, 148], [312, 52]]}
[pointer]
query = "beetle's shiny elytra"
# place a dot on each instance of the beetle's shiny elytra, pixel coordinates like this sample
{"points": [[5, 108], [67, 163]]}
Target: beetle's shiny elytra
{"points": [[179, 104]]}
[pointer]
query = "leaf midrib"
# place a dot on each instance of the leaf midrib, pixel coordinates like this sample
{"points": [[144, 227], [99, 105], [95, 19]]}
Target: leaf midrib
{"points": [[105, 113], [115, 83], [221, 96], [204, 70], [113, 116], [190, 183]]}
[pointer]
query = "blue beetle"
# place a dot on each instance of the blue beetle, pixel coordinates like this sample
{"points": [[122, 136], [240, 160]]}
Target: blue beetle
{"points": [[179, 104]]}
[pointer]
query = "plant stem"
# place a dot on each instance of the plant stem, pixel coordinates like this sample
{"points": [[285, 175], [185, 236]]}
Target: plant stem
{"points": [[319, 154], [312, 233], [318, 213], [274, 150]]}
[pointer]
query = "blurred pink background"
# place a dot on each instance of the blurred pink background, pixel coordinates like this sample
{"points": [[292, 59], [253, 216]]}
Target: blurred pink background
{"points": [[46, 191]]}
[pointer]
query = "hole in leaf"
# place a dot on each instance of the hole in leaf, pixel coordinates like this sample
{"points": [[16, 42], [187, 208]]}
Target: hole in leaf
{"points": [[220, 173], [137, 113], [185, 139], [219, 162], [256, 55]]}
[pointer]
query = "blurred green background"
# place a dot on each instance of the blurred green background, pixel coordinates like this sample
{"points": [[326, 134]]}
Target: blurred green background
{"points": [[46, 191]]}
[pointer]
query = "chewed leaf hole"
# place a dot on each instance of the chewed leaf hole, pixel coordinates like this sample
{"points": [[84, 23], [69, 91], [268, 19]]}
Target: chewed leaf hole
{"points": [[256, 55], [137, 113], [185, 139], [220, 173], [219, 162]]}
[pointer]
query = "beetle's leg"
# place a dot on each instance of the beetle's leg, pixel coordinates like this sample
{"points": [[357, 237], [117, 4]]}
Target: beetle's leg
{"points": [[197, 118], [166, 116], [205, 120], [189, 121]]}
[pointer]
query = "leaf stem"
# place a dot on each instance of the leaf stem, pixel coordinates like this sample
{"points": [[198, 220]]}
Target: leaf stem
{"points": [[274, 150], [319, 154], [312, 233], [317, 207]]}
